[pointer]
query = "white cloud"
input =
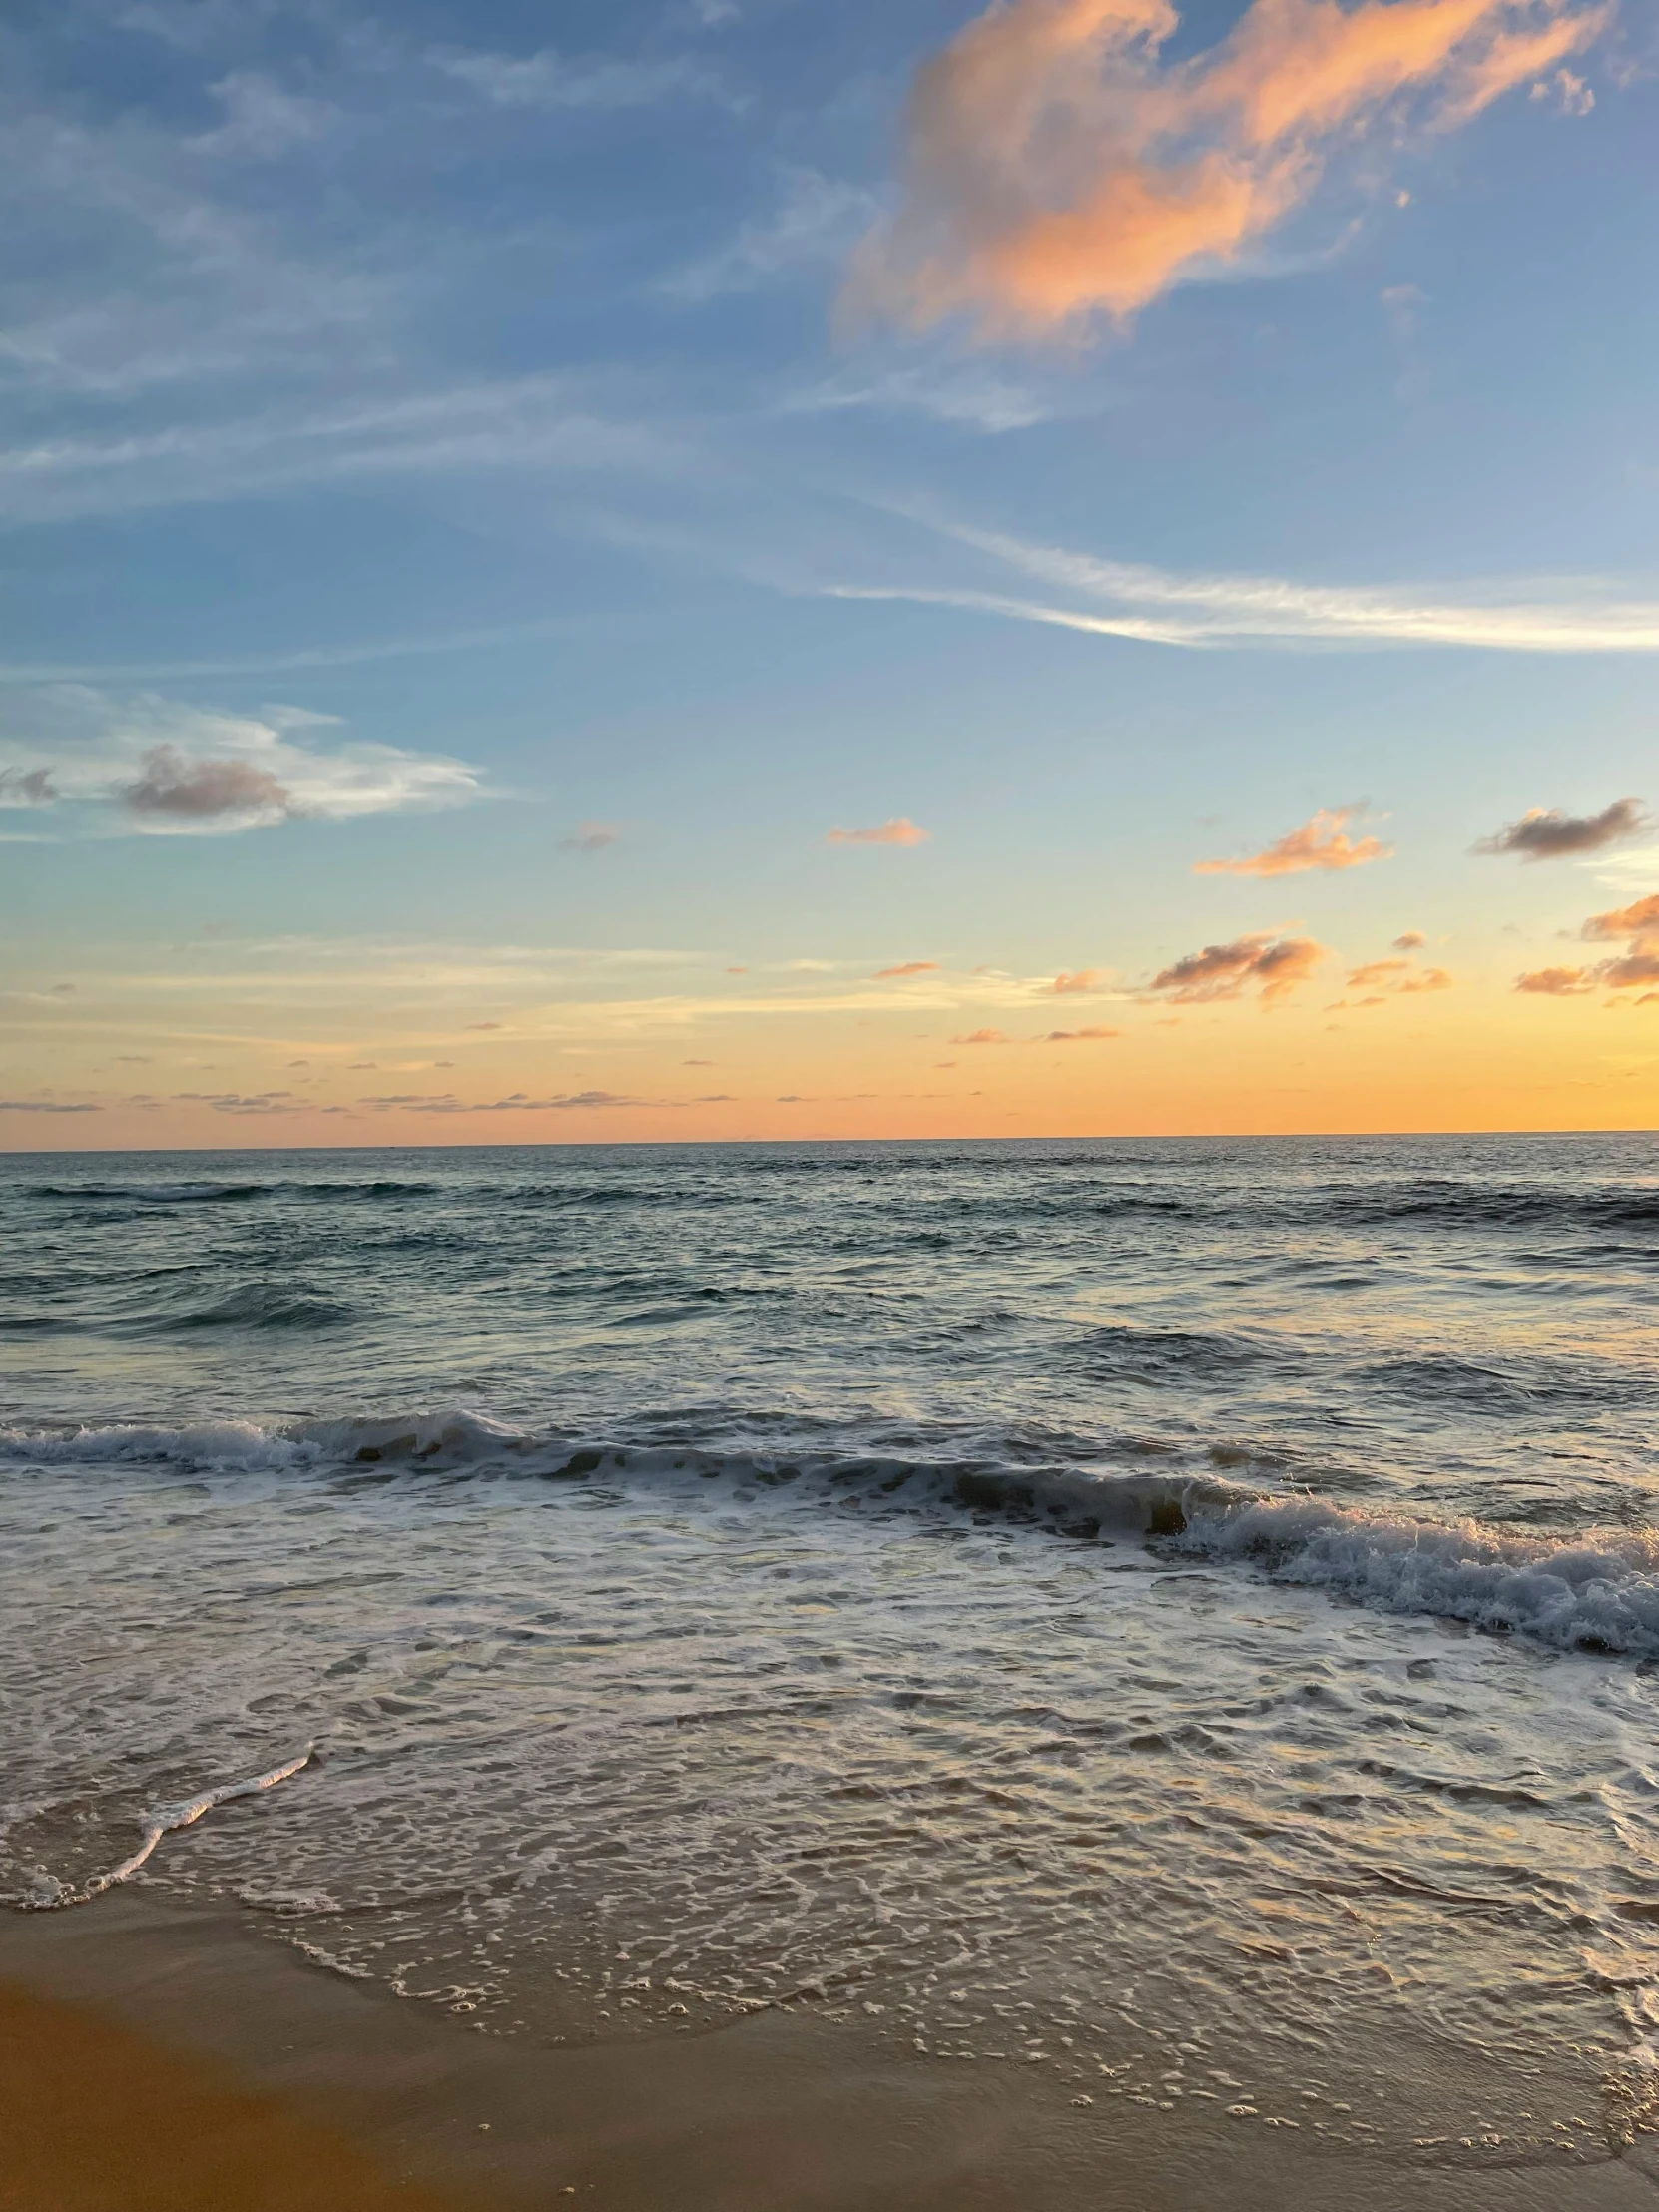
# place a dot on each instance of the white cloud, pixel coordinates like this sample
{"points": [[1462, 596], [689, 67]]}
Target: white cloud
{"points": [[816, 222], [547, 79], [1159, 606], [968, 398], [153, 767], [521, 422]]}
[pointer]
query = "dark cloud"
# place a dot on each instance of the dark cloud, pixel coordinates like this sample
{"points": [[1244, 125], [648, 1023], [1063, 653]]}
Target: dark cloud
{"points": [[43, 1106], [1546, 834], [1077, 1036], [1275, 965], [26, 786], [202, 790]]}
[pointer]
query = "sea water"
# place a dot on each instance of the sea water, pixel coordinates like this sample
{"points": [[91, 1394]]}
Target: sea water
{"points": [[1175, 1614]]}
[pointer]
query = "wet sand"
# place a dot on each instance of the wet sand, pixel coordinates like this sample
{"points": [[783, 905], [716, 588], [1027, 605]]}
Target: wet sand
{"points": [[161, 2060]]}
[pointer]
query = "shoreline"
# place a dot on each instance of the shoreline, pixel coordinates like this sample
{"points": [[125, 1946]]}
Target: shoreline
{"points": [[209, 2050]]}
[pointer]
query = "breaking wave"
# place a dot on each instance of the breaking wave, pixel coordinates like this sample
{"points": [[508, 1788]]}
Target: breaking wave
{"points": [[1591, 1591]]}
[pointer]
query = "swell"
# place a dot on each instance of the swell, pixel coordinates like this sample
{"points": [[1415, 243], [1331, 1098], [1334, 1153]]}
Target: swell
{"points": [[1596, 1591]]}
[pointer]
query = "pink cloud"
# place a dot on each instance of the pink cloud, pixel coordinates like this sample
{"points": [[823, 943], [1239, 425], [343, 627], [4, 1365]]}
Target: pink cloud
{"points": [[1057, 164], [908, 967], [1321, 842], [1084, 979], [900, 830], [981, 1036], [1277, 966]]}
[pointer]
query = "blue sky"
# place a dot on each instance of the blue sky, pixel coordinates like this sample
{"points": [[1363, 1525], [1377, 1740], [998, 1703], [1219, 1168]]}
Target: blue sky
{"points": [[473, 530]]}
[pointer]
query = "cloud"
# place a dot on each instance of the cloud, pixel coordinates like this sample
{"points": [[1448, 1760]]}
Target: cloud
{"points": [[1154, 606], [1636, 926], [981, 1036], [1077, 1036], [26, 786], [159, 768], [445, 1102], [546, 79], [43, 1106], [1412, 940], [1639, 921], [1277, 966], [203, 790], [1546, 834], [900, 830], [484, 1025], [816, 222], [1321, 842], [1058, 165], [1067, 985], [1556, 983], [908, 967], [593, 836]]}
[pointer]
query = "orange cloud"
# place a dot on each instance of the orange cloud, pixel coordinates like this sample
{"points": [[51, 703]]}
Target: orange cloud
{"points": [[1395, 979], [1637, 926], [1277, 966], [1546, 834], [1321, 842], [908, 967], [1639, 922], [1058, 166], [1064, 985], [981, 1036], [1077, 1036], [1556, 983], [899, 831]]}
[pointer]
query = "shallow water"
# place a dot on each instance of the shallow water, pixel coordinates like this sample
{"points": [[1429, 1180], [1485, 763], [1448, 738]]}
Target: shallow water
{"points": [[1176, 1608]]}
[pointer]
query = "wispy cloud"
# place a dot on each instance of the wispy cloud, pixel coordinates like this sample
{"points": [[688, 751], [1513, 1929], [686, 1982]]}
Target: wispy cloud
{"points": [[815, 220], [1556, 983], [900, 830], [1549, 834], [1060, 165], [157, 766], [1155, 605], [908, 967], [540, 422], [1321, 842], [1275, 965], [1074, 982], [547, 79], [1078, 1036], [981, 1036], [593, 836]]}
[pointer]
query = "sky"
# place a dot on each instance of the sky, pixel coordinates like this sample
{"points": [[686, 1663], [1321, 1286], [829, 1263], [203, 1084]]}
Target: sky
{"points": [[714, 569]]}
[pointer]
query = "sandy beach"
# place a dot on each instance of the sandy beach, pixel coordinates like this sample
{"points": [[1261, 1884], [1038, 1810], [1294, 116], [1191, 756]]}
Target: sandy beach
{"points": [[159, 2058]]}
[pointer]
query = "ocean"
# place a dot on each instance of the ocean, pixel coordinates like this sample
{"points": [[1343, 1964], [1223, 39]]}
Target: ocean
{"points": [[1181, 1615]]}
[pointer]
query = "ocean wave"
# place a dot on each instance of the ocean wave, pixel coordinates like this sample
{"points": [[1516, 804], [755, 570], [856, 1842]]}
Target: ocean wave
{"points": [[1594, 1591], [220, 1194], [250, 1305]]}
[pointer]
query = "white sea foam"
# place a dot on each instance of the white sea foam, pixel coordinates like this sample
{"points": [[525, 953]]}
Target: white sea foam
{"points": [[162, 1819], [1592, 1590]]}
